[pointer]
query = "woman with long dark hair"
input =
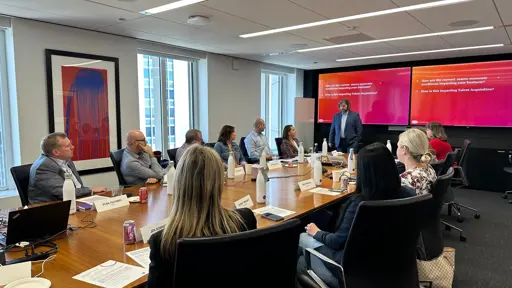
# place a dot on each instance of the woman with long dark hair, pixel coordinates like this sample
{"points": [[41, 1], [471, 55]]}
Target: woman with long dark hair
{"points": [[438, 140], [290, 145], [377, 179]]}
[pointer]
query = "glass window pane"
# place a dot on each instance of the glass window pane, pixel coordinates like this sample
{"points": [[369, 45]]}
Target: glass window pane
{"points": [[271, 99], [163, 102]]}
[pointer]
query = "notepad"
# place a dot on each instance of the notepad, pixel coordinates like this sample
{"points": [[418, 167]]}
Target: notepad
{"points": [[274, 210]]}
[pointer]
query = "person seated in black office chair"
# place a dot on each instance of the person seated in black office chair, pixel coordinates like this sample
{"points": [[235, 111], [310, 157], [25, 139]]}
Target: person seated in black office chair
{"points": [[196, 212], [377, 179]]}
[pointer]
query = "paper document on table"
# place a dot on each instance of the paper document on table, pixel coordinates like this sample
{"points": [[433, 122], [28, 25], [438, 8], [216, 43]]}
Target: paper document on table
{"points": [[90, 200], [141, 256], [324, 191], [112, 274], [274, 210]]}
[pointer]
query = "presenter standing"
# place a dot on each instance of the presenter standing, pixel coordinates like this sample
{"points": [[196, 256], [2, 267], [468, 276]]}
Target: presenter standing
{"points": [[346, 128]]}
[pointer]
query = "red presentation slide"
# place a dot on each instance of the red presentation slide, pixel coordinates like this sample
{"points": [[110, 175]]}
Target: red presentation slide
{"points": [[473, 94], [379, 96]]}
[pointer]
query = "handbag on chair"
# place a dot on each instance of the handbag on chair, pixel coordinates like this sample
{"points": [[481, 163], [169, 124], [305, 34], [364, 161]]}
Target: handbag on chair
{"points": [[438, 273]]}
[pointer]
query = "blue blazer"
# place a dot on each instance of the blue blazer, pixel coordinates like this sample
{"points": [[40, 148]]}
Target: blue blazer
{"points": [[353, 129]]}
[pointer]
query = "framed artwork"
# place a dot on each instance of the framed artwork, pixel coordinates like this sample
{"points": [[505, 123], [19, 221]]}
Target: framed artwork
{"points": [[83, 102]]}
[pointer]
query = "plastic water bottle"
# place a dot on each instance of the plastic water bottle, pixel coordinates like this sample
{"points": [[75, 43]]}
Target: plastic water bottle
{"points": [[68, 191], [231, 166], [263, 160], [389, 146], [351, 160], [301, 153], [261, 187], [324, 147], [170, 178], [315, 150], [317, 171]]}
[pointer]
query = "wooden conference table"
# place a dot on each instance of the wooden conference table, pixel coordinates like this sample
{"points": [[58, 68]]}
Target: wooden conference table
{"points": [[84, 249]]}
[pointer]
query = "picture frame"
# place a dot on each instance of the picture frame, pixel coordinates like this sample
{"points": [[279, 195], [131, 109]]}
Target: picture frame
{"points": [[84, 102]]}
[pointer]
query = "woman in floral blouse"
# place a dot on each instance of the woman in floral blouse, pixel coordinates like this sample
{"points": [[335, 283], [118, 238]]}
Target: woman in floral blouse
{"points": [[414, 151]]}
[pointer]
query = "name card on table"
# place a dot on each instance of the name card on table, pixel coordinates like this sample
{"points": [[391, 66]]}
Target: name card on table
{"points": [[274, 165], [245, 202], [151, 229], [239, 171], [306, 185], [111, 203]]}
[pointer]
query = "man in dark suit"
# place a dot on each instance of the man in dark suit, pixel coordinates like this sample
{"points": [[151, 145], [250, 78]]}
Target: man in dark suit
{"points": [[346, 128], [47, 172]]}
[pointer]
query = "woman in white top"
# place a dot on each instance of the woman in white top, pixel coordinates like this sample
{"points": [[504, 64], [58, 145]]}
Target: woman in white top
{"points": [[414, 151]]}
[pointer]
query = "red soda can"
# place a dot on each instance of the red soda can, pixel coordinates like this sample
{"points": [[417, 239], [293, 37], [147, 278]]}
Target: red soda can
{"points": [[129, 232], [143, 195]]}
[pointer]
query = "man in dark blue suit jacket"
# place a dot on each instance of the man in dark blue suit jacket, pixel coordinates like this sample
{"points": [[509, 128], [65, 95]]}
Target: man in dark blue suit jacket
{"points": [[346, 128]]}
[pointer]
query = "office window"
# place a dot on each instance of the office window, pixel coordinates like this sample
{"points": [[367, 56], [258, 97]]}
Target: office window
{"points": [[272, 97], [6, 151], [165, 92]]}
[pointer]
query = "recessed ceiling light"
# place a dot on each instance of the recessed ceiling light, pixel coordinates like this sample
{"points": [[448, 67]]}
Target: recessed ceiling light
{"points": [[170, 6], [463, 23], [359, 16], [198, 20], [420, 52], [396, 39]]}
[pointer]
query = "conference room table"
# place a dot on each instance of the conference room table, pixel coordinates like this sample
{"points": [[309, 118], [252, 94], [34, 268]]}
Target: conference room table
{"points": [[83, 249]]}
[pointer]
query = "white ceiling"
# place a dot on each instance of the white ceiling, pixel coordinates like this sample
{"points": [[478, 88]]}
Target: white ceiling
{"points": [[230, 18]]}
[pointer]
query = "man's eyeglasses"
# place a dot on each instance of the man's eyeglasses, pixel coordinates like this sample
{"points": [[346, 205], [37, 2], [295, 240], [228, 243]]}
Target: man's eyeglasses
{"points": [[142, 140]]}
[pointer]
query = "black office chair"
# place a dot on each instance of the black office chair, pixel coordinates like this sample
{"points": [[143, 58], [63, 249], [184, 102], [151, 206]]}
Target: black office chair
{"points": [[431, 239], [441, 167], [460, 181], [172, 155], [508, 170], [220, 262], [21, 176], [116, 157], [279, 140], [381, 248], [211, 145], [246, 155]]}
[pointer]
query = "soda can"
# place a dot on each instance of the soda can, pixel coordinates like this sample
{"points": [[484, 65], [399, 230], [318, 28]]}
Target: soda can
{"points": [[129, 232], [143, 195], [344, 182]]}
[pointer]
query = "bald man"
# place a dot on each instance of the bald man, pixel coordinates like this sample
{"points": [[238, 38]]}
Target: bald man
{"points": [[139, 164], [256, 142]]}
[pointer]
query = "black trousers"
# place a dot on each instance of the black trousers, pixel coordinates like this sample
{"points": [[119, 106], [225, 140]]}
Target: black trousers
{"points": [[345, 146]]}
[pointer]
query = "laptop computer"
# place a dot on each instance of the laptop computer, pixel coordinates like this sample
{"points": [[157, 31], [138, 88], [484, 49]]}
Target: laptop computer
{"points": [[36, 223]]}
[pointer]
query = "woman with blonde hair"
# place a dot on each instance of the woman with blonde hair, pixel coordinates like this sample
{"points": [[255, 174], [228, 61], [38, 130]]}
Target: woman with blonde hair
{"points": [[196, 211], [414, 151]]}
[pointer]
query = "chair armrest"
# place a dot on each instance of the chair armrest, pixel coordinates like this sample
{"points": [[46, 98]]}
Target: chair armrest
{"points": [[307, 256]]}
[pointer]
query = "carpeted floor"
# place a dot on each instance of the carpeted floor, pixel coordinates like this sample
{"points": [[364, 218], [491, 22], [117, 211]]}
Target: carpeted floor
{"points": [[485, 260]]}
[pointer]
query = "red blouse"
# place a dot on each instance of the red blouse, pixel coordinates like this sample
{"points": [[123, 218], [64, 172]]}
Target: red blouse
{"points": [[441, 147]]}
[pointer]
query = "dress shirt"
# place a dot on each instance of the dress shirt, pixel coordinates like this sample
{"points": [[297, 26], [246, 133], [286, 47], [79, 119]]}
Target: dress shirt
{"points": [[138, 168], [64, 165], [256, 143], [344, 116]]}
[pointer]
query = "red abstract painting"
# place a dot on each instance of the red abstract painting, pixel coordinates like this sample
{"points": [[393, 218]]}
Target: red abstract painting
{"points": [[86, 117]]}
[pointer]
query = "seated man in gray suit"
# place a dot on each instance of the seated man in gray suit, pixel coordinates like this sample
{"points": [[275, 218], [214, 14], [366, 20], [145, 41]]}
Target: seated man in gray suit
{"points": [[47, 172], [139, 164]]}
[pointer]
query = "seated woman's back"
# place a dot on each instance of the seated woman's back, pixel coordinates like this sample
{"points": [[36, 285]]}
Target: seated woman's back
{"points": [[414, 151], [438, 140], [196, 212]]}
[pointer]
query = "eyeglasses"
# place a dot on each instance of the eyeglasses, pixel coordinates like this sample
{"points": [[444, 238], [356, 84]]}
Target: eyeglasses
{"points": [[142, 140]]}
